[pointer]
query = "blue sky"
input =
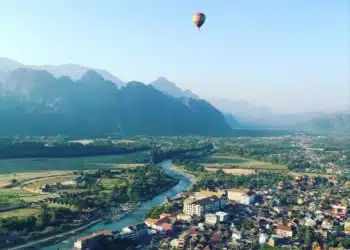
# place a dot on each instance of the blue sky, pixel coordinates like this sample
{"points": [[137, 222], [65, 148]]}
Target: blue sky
{"points": [[292, 55]]}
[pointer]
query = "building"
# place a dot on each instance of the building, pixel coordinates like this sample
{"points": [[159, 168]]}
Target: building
{"points": [[92, 240], [222, 216], [207, 193], [327, 224], [284, 230], [242, 196], [347, 227], [339, 210], [184, 217], [134, 231], [183, 240], [211, 219], [199, 207], [263, 238], [236, 235], [163, 224]]}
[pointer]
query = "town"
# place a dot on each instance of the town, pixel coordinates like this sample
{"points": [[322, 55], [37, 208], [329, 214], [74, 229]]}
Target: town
{"points": [[305, 213]]}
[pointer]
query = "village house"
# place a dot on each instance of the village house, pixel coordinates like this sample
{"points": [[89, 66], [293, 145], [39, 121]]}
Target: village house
{"points": [[183, 239], [242, 196], [263, 238], [327, 224], [184, 217], [134, 231], [284, 230], [163, 224], [90, 241], [199, 207], [211, 219], [222, 216], [339, 210], [347, 227]]}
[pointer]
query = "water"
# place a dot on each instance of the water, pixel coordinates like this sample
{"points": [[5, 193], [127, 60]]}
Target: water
{"points": [[135, 217]]}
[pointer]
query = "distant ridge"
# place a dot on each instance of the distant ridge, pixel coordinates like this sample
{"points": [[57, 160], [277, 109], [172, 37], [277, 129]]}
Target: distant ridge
{"points": [[35, 102], [74, 71]]}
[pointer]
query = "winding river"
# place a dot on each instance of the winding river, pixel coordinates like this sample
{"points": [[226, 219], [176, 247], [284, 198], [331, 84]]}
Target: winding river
{"points": [[135, 217]]}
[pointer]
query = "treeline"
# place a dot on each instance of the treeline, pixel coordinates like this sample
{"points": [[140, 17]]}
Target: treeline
{"points": [[160, 154], [221, 180], [142, 183], [37, 149]]}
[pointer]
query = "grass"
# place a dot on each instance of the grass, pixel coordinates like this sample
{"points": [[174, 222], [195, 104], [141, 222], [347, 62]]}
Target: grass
{"points": [[110, 183], [15, 196], [23, 212], [228, 161], [56, 205], [6, 178], [11, 166], [49, 180]]}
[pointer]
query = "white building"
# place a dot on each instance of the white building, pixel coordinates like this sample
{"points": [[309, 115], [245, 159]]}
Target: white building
{"points": [[184, 217], [236, 235], [211, 219], [193, 206], [222, 216], [263, 238], [134, 231], [243, 196]]}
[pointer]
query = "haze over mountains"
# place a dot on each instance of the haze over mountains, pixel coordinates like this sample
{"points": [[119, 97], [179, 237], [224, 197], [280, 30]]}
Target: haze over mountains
{"points": [[73, 71], [59, 93], [34, 102]]}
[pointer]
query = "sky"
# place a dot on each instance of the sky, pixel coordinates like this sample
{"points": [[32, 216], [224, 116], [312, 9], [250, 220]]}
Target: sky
{"points": [[292, 55]]}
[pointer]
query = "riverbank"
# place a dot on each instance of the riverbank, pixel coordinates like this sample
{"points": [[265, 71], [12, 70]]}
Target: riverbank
{"points": [[138, 215], [179, 170]]}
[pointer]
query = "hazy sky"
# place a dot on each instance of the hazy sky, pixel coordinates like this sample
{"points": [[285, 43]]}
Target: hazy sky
{"points": [[292, 55]]}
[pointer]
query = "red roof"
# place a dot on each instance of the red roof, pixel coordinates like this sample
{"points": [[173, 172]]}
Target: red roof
{"points": [[166, 227]]}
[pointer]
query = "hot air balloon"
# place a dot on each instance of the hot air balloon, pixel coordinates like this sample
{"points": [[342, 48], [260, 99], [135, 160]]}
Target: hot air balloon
{"points": [[198, 19]]}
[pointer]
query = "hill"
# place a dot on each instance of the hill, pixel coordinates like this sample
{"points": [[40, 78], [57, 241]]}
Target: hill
{"points": [[333, 123], [170, 88], [73, 71], [34, 102]]}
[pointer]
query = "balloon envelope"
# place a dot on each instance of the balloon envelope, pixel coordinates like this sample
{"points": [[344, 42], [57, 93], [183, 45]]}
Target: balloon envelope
{"points": [[198, 19]]}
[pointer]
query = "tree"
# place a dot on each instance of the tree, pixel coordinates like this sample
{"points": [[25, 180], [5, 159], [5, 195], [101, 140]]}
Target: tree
{"points": [[248, 224]]}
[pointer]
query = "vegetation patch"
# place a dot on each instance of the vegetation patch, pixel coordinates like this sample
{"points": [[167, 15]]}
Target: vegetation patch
{"points": [[233, 161], [23, 212], [80, 163]]}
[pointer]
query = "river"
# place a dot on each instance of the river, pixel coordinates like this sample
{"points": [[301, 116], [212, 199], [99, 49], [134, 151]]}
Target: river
{"points": [[136, 216]]}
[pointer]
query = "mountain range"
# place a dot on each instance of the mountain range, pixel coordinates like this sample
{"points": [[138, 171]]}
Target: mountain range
{"points": [[35, 102], [65, 90], [74, 71]]}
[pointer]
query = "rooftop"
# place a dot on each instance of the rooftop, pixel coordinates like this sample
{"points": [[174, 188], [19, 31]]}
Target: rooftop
{"points": [[99, 233]]}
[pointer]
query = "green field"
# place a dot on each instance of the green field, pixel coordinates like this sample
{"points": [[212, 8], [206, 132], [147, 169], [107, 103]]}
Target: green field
{"points": [[15, 196], [23, 212], [110, 183], [226, 161], [81, 163]]}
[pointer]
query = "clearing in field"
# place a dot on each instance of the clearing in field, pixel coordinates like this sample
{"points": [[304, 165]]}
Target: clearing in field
{"points": [[23, 212], [11, 166], [231, 161], [234, 171], [5, 179]]}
